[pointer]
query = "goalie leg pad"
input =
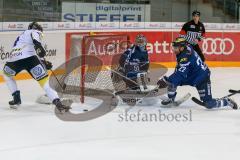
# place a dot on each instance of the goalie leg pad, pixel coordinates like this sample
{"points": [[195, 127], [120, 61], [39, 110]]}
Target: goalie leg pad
{"points": [[142, 80]]}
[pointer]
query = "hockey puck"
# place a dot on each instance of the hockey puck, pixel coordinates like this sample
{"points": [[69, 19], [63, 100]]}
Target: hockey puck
{"points": [[85, 110]]}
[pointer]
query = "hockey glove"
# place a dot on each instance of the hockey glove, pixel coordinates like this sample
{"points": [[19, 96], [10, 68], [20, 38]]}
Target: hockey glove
{"points": [[47, 64], [163, 83]]}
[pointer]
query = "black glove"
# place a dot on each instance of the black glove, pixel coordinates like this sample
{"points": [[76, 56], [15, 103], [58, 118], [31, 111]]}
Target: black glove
{"points": [[41, 52], [47, 64], [163, 83]]}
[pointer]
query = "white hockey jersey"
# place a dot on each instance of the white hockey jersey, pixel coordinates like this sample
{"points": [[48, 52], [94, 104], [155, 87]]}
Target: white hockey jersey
{"points": [[23, 46]]}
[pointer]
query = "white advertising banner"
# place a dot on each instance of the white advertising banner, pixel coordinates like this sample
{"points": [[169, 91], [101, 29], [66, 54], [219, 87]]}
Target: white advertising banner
{"points": [[177, 25], [54, 44], [102, 12], [15, 26], [63, 25], [6, 42], [213, 26], [46, 25], [1, 26], [158, 25], [231, 26], [107, 25], [84, 25], [51, 26], [132, 25]]}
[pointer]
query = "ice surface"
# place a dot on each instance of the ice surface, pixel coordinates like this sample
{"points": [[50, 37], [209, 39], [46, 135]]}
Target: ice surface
{"points": [[33, 131]]}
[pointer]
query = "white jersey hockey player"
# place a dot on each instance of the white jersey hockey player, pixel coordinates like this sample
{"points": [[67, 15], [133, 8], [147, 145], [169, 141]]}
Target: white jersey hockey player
{"points": [[27, 54]]}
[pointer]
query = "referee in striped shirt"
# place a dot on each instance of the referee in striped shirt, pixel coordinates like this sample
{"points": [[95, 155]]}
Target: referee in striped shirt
{"points": [[194, 31]]}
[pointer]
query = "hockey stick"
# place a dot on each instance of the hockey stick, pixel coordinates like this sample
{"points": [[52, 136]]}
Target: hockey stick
{"points": [[234, 91], [64, 85], [194, 99], [151, 92], [197, 101], [118, 73]]}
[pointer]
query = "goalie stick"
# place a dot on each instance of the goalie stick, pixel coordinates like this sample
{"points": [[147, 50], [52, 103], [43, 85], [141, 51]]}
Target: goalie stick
{"points": [[232, 92], [153, 91], [118, 73]]}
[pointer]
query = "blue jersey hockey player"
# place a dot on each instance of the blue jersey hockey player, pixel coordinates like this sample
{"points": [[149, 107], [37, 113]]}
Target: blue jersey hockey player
{"points": [[134, 61], [191, 70]]}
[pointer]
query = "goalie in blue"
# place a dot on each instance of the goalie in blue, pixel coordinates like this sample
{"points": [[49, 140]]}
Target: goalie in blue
{"points": [[191, 70], [134, 64]]}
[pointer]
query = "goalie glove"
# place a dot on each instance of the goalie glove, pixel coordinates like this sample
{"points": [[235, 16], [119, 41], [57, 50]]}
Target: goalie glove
{"points": [[47, 64], [121, 70], [163, 83]]}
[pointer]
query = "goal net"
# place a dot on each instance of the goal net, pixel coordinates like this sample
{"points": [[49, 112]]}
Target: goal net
{"points": [[90, 65], [91, 61]]}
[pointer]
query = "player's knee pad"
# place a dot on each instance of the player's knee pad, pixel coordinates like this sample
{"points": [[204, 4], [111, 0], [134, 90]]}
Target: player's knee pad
{"points": [[171, 88], [7, 71], [172, 95], [142, 77], [142, 80], [43, 81], [7, 77]]}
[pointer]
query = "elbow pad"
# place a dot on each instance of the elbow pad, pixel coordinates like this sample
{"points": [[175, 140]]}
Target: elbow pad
{"points": [[39, 48]]}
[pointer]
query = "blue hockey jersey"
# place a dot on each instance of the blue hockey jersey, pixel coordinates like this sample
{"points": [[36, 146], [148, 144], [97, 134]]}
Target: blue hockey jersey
{"points": [[190, 69], [134, 59]]}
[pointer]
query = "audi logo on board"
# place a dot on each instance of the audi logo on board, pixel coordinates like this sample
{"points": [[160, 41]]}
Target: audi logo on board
{"points": [[218, 46]]}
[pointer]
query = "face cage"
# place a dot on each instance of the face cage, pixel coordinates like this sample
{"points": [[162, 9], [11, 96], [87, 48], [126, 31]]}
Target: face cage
{"points": [[141, 42]]}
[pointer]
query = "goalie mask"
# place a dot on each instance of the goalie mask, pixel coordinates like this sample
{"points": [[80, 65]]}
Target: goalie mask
{"points": [[35, 25], [141, 41]]}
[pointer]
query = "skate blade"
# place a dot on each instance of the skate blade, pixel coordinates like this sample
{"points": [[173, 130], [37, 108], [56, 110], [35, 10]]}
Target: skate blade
{"points": [[14, 106]]}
